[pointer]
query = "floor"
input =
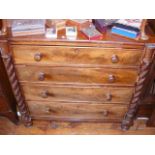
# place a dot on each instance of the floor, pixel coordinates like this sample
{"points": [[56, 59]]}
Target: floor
{"points": [[64, 128]]}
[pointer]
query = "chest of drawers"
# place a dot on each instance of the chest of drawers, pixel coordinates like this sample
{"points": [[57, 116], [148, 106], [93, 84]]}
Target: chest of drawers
{"points": [[78, 80]]}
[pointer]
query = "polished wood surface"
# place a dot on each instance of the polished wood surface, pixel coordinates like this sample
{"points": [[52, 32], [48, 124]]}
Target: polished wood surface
{"points": [[75, 75], [76, 111], [108, 38], [77, 93], [75, 59], [71, 56], [52, 71], [67, 128]]}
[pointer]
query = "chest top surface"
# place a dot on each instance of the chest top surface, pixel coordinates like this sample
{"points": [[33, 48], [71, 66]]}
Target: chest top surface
{"points": [[108, 40]]}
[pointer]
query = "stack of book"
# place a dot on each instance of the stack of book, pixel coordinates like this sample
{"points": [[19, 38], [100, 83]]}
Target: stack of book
{"points": [[79, 23], [102, 24], [23, 27], [59, 24], [127, 27]]}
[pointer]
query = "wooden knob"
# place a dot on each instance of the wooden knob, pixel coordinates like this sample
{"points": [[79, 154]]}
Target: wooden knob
{"points": [[108, 97], [114, 58], [50, 110], [44, 94], [41, 76], [76, 50], [47, 109], [111, 78], [37, 57], [105, 113]]}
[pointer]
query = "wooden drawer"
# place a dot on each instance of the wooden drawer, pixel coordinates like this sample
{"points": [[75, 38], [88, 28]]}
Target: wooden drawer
{"points": [[76, 75], [76, 111], [56, 55], [77, 93]]}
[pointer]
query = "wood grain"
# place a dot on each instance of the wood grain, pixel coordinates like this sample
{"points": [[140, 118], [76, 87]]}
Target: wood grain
{"points": [[109, 40], [78, 83], [43, 74], [76, 111], [56, 55], [77, 93], [67, 128]]}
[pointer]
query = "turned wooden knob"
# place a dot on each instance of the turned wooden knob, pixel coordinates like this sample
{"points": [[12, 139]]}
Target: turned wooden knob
{"points": [[111, 78], [41, 76], [108, 97], [114, 58], [37, 57], [105, 113], [48, 110], [44, 94], [76, 50]]}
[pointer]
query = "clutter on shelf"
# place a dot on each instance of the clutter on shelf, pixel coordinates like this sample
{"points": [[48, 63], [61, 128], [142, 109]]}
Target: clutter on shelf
{"points": [[91, 29]]}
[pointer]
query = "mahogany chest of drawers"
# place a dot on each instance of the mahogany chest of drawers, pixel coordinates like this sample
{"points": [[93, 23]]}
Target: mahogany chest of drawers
{"points": [[88, 81]]}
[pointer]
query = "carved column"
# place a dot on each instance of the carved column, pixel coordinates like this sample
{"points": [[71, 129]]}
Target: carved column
{"points": [[25, 115], [139, 91]]}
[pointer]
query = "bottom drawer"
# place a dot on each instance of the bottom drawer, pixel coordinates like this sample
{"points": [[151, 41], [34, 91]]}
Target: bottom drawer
{"points": [[65, 111]]}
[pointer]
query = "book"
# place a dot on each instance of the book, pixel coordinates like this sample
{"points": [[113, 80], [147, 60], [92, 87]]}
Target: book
{"points": [[127, 27], [79, 23], [27, 24], [91, 33], [23, 27], [102, 24], [131, 23], [58, 23], [28, 32], [124, 32]]}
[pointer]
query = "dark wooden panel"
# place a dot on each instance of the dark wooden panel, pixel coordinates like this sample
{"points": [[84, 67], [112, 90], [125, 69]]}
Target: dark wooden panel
{"points": [[3, 105], [152, 24], [151, 121], [7, 99]]}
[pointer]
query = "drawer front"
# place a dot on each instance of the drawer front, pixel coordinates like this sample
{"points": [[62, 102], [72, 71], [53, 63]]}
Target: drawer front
{"points": [[50, 55], [76, 111], [78, 93], [76, 75]]}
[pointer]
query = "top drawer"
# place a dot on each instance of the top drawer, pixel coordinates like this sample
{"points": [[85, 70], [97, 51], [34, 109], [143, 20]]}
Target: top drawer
{"points": [[68, 56]]}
